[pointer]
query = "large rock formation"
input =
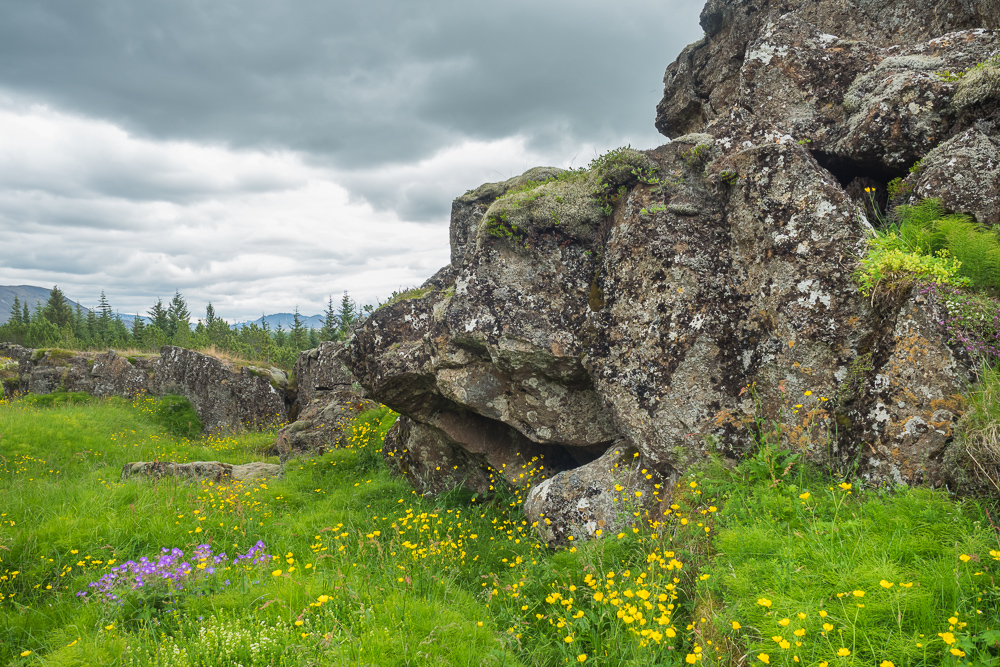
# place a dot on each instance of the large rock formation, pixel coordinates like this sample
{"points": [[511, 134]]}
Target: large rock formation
{"points": [[224, 395], [700, 295], [328, 398]]}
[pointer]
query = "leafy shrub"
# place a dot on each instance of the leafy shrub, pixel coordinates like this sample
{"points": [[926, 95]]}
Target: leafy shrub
{"points": [[888, 267], [177, 416]]}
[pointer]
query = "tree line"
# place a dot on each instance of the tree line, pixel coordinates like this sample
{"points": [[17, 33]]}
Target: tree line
{"points": [[56, 323]]}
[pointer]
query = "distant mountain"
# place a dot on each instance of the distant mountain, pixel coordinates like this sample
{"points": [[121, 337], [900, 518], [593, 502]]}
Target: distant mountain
{"points": [[25, 294], [285, 320]]}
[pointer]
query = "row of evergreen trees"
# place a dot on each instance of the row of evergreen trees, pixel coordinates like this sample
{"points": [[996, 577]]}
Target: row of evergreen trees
{"points": [[58, 324]]}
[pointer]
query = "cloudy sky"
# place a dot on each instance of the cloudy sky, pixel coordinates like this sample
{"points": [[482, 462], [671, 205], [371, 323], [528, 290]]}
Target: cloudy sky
{"points": [[263, 155]]}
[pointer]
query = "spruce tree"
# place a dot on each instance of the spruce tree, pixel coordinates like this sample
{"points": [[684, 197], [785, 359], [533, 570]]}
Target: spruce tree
{"points": [[297, 334], [138, 327], [331, 329], [158, 316], [15, 311], [179, 316], [347, 314], [279, 336], [57, 309], [104, 321]]}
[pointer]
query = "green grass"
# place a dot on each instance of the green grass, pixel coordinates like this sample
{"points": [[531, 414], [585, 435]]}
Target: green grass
{"points": [[363, 571], [886, 570]]}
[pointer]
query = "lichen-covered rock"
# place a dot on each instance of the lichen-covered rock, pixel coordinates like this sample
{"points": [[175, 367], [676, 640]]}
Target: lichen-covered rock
{"points": [[15, 364], [599, 498], [964, 173], [467, 211], [709, 77], [673, 301], [223, 396], [323, 424], [328, 399], [320, 369], [211, 471], [430, 462]]}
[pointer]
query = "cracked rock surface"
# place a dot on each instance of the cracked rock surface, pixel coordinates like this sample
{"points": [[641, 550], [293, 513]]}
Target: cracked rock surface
{"points": [[669, 302]]}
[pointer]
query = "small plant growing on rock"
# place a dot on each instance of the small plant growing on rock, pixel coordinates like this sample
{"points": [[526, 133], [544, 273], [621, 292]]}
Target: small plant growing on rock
{"points": [[618, 169], [925, 244]]}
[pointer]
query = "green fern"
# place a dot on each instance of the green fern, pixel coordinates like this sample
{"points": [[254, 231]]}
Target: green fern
{"points": [[925, 228]]}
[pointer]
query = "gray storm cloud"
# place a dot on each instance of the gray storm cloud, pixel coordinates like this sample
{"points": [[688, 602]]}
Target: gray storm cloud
{"points": [[262, 155]]}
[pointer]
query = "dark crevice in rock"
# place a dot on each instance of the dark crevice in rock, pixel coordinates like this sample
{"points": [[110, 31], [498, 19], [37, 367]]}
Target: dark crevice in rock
{"points": [[846, 170]]}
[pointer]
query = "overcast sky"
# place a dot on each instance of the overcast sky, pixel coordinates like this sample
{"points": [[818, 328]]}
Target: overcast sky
{"points": [[263, 155]]}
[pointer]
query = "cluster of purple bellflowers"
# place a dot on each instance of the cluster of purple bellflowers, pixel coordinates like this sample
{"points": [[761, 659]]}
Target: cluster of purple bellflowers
{"points": [[169, 571]]}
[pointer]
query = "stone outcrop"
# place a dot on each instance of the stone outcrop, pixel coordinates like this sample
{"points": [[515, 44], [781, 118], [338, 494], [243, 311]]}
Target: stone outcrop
{"points": [[224, 396], [672, 301], [210, 471], [327, 400]]}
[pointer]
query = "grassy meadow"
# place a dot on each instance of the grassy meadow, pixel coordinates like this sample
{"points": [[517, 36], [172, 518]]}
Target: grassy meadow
{"points": [[340, 564]]}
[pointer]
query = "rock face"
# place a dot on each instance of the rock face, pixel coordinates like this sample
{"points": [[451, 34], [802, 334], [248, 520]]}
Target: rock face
{"points": [[327, 399], [700, 296], [223, 395]]}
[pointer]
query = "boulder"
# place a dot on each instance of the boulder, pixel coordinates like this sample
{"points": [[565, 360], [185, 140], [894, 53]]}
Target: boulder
{"points": [[322, 424], [211, 471], [320, 369], [708, 81], [963, 172], [15, 363], [600, 498], [223, 395], [328, 399], [680, 301]]}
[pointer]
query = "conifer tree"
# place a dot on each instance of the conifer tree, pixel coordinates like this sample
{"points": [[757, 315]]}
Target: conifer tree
{"points": [[347, 314], [138, 327], [331, 327], [158, 316], [15, 311], [104, 319], [297, 334], [57, 309], [178, 315]]}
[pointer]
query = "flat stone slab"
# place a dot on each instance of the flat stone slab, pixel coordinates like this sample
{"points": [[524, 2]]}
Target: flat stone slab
{"points": [[214, 471]]}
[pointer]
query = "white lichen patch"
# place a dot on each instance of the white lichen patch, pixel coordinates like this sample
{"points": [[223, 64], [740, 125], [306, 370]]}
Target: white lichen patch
{"points": [[765, 52], [812, 294]]}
